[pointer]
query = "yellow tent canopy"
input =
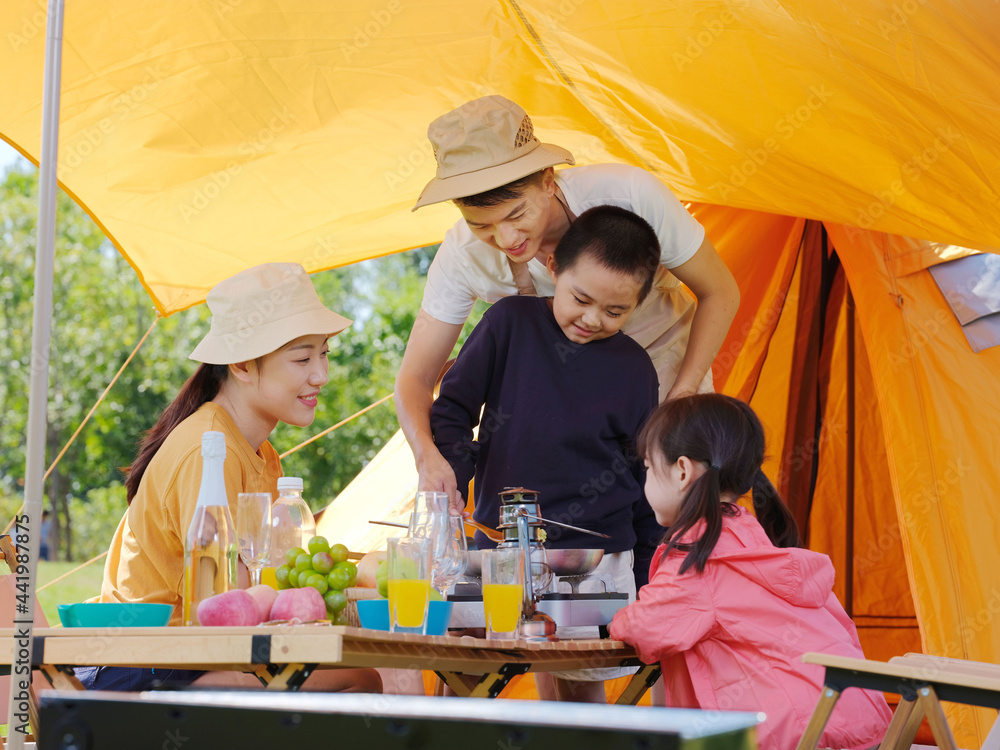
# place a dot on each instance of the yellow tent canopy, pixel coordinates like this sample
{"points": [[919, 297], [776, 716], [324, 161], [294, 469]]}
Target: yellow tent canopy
{"points": [[813, 138]]}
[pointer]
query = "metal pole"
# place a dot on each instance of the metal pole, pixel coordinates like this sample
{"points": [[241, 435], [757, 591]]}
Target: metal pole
{"points": [[25, 531]]}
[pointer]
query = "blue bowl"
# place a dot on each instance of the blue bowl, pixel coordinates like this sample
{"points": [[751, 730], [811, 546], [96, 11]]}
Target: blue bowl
{"points": [[374, 614], [114, 614]]}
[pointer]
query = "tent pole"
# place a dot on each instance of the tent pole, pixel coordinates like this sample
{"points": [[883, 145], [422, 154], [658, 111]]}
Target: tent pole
{"points": [[26, 530]]}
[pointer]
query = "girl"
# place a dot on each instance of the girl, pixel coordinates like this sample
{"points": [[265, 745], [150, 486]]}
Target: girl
{"points": [[732, 605], [263, 361]]}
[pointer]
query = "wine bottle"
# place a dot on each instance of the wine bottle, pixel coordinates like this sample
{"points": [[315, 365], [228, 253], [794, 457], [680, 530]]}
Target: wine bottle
{"points": [[210, 550]]}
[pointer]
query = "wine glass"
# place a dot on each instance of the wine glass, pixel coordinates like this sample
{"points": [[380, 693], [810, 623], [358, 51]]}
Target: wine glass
{"points": [[253, 530], [456, 557]]}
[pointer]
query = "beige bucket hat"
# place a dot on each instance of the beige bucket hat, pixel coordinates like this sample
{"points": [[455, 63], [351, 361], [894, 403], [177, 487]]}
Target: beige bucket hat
{"points": [[261, 309], [484, 144]]}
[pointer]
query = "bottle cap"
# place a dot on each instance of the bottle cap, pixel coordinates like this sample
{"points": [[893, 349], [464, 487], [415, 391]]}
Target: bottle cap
{"points": [[213, 444], [290, 483]]}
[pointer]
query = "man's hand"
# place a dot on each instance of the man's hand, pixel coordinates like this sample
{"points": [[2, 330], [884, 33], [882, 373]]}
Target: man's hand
{"points": [[436, 475]]}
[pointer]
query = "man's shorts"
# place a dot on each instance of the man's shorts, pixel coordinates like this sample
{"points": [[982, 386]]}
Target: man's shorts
{"points": [[616, 570]]}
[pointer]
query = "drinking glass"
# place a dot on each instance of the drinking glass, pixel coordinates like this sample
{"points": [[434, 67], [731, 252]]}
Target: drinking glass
{"points": [[253, 530], [409, 582], [430, 502], [503, 591]]}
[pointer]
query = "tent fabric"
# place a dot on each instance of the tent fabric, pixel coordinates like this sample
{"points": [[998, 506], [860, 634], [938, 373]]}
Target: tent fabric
{"points": [[834, 152], [295, 130]]}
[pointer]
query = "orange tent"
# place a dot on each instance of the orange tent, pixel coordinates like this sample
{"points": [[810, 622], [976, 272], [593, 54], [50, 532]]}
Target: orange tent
{"points": [[205, 137]]}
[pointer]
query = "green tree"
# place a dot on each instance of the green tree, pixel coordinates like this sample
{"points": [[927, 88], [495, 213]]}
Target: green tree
{"points": [[93, 333]]}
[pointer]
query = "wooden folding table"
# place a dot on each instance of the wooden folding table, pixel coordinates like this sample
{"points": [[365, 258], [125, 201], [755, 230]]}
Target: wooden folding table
{"points": [[283, 656]]}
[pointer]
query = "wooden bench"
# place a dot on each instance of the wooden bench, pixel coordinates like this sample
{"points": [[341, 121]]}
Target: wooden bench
{"points": [[922, 682]]}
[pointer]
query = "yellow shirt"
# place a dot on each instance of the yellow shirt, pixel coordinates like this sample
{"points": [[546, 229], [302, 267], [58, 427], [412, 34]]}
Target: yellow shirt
{"points": [[146, 559]]}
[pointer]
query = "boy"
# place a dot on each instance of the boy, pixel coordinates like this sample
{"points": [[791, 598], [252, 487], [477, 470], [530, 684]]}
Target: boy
{"points": [[563, 393]]}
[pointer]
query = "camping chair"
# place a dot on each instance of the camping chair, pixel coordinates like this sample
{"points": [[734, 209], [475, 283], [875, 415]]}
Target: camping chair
{"points": [[921, 681], [942, 665]]}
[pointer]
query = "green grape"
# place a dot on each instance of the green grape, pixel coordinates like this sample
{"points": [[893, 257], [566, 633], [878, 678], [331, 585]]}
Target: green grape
{"points": [[292, 554], [293, 578], [317, 581], [303, 562], [382, 579], [338, 579], [281, 576], [335, 601], [352, 571], [338, 552], [318, 544], [322, 562]]}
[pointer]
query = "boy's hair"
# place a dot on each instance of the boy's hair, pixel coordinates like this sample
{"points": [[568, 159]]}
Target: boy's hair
{"points": [[509, 192], [617, 239], [725, 434]]}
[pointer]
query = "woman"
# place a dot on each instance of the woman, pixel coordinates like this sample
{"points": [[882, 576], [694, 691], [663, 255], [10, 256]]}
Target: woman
{"points": [[515, 209], [264, 361]]}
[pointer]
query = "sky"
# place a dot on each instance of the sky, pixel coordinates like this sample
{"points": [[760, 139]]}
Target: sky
{"points": [[8, 156]]}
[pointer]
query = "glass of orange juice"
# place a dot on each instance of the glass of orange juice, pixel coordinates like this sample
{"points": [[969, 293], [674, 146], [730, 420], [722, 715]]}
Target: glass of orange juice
{"points": [[408, 563], [268, 577], [503, 590]]}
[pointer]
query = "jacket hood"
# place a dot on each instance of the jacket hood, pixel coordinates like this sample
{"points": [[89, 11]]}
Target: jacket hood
{"points": [[799, 576]]}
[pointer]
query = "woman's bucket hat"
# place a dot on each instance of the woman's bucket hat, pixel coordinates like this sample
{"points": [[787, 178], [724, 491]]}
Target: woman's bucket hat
{"points": [[261, 309]]}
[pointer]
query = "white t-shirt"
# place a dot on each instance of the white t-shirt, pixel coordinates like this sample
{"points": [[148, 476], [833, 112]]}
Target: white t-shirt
{"points": [[466, 269]]}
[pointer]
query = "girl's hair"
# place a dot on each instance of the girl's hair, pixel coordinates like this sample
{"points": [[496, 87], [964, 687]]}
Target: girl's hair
{"points": [[724, 433], [496, 196], [200, 388], [617, 239]]}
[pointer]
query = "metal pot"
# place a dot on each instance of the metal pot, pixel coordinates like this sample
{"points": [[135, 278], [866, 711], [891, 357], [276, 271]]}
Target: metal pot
{"points": [[564, 562]]}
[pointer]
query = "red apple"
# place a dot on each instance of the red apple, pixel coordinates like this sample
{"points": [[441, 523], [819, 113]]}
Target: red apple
{"points": [[234, 607], [263, 596], [299, 604]]}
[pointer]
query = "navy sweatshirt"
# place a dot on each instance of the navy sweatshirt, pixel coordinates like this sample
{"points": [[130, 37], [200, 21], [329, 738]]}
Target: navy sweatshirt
{"points": [[560, 418]]}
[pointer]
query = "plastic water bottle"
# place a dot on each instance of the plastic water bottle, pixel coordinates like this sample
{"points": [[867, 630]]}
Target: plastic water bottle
{"points": [[292, 523], [210, 550]]}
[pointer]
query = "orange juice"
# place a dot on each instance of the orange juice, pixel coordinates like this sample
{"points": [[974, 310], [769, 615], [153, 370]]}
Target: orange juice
{"points": [[268, 578], [502, 603], [408, 601]]}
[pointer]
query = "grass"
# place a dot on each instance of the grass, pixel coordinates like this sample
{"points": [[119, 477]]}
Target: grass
{"points": [[78, 587]]}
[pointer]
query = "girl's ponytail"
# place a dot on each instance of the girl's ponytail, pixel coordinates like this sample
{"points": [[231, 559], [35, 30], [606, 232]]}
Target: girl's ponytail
{"points": [[772, 514], [200, 388]]}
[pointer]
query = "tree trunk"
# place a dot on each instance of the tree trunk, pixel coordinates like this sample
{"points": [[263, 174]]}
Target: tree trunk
{"points": [[62, 541]]}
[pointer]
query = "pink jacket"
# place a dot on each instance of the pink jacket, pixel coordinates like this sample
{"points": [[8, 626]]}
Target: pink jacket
{"points": [[732, 638]]}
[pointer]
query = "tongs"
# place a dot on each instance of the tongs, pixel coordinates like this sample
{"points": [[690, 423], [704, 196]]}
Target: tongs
{"points": [[491, 534], [523, 512]]}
